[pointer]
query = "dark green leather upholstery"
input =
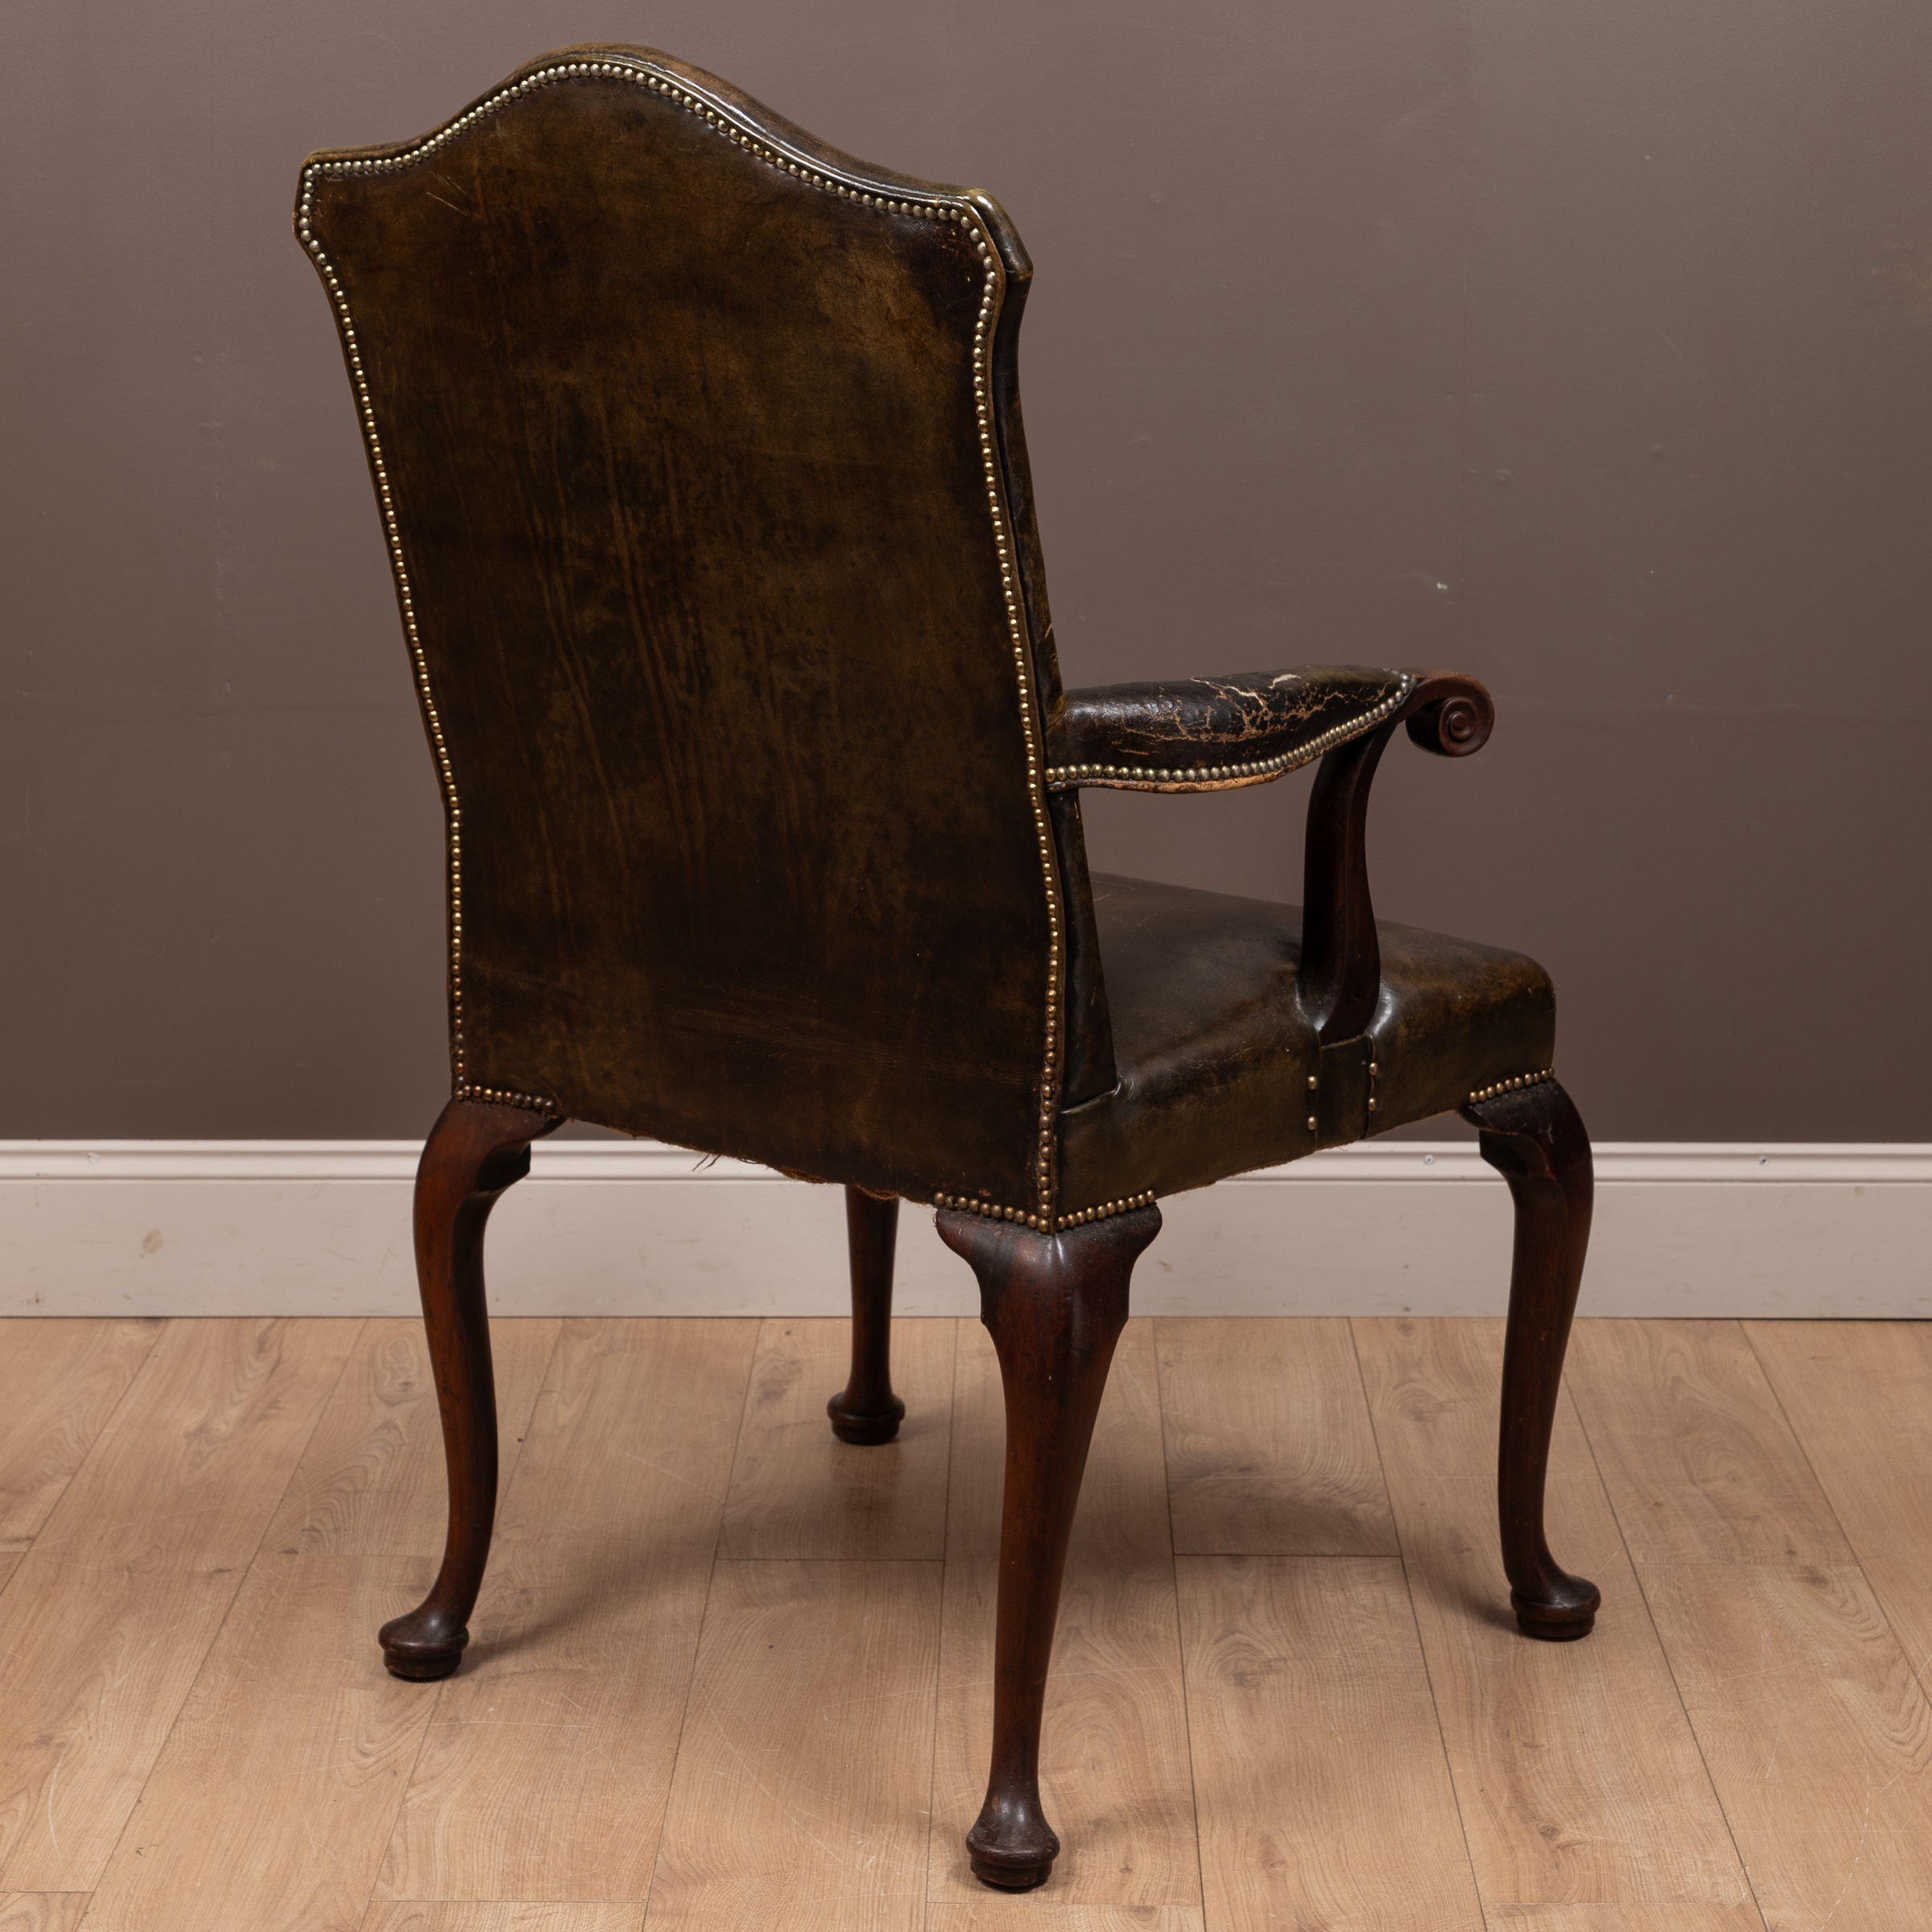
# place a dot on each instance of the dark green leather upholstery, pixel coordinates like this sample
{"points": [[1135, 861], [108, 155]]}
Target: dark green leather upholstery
{"points": [[699, 448], [1215, 1054]]}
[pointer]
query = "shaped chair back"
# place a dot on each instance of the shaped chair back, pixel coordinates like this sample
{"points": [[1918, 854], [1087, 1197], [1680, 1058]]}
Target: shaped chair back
{"points": [[698, 450]]}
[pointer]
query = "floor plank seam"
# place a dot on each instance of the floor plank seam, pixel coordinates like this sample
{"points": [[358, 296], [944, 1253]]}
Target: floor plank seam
{"points": [[1194, 1782], [415, 1763], [530, 1414], [93, 1449], [932, 1769], [697, 1643], [1677, 1689], [108, 1422], [243, 1573], [1878, 1598], [930, 1562], [1402, 1552]]}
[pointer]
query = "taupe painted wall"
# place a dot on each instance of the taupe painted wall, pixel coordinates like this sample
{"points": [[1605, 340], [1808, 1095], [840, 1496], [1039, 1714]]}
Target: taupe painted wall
{"points": [[1586, 346]]}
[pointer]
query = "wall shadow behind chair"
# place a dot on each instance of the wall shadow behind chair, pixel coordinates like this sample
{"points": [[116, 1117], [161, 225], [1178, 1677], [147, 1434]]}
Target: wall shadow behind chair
{"points": [[698, 448]]}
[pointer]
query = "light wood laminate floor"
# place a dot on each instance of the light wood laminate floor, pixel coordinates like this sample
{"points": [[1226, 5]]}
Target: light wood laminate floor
{"points": [[727, 1673]]}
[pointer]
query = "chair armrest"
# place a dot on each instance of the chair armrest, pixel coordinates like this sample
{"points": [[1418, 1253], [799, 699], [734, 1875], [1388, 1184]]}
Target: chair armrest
{"points": [[1214, 734], [1340, 974]]}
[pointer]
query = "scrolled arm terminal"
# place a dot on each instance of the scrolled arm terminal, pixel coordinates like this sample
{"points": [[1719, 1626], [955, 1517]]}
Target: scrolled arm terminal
{"points": [[1448, 714]]}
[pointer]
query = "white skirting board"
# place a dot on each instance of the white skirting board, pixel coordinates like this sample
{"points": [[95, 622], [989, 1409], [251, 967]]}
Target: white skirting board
{"points": [[608, 1226]]}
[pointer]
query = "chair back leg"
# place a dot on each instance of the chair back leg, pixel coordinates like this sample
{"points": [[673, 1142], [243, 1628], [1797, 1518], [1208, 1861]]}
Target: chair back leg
{"points": [[1535, 1139], [474, 1152], [1055, 1304], [865, 1410]]}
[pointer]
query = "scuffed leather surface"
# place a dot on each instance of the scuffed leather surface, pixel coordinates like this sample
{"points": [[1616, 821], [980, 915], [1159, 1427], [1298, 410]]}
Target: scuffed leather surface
{"points": [[685, 457], [1186, 735], [1213, 1055]]}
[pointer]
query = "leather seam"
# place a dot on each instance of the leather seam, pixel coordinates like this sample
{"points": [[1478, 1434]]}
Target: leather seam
{"points": [[406, 600], [1041, 1218]]}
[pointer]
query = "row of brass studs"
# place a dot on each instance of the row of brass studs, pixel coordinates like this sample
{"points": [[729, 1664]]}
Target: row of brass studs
{"points": [[639, 77], [1016, 625], [1375, 1073], [1106, 1210], [405, 597], [1039, 1222], [966, 1205], [1522, 1079], [498, 1096], [1222, 774]]}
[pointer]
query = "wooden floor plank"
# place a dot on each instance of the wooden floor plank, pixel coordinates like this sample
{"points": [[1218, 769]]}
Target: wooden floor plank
{"points": [[1577, 1771], [250, 1821], [1029, 1912], [232, 1807], [544, 1773], [800, 1798], [1774, 1482], [1316, 1749], [1626, 1918], [1114, 1767], [1817, 1733], [41, 1911], [798, 1490], [502, 1915], [371, 1482], [1859, 1395], [60, 1379], [110, 1613], [1269, 1448], [1696, 1452]]}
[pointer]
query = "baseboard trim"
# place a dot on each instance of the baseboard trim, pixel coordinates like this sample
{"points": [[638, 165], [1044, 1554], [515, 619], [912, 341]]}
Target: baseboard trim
{"points": [[605, 1226]]}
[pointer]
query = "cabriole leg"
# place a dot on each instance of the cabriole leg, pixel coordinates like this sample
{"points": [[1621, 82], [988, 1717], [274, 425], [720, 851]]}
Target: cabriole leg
{"points": [[866, 1409], [1055, 1305], [1534, 1138], [474, 1152]]}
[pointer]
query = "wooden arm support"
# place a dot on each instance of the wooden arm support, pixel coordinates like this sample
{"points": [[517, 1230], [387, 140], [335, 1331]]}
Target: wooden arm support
{"points": [[1341, 969]]}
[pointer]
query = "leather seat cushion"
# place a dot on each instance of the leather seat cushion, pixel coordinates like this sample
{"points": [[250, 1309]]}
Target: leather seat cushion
{"points": [[1215, 1054]]}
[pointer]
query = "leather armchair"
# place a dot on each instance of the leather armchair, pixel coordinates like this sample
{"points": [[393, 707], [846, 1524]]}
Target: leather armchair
{"points": [[696, 444]]}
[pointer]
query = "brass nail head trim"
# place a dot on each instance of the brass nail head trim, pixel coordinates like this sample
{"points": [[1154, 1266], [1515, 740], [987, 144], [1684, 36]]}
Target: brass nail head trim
{"points": [[1509, 1086]]}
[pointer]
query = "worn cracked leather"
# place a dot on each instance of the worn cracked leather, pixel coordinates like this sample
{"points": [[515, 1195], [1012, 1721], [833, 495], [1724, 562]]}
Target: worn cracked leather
{"points": [[731, 628], [1211, 734]]}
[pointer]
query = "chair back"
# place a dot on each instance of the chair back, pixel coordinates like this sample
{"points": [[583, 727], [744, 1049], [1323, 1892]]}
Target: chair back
{"points": [[697, 448]]}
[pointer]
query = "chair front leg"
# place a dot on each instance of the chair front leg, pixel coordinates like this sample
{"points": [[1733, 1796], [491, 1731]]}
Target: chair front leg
{"points": [[865, 1410], [1535, 1139], [1055, 1304], [474, 1152]]}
